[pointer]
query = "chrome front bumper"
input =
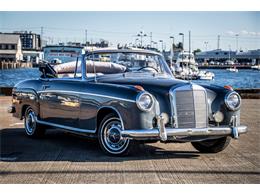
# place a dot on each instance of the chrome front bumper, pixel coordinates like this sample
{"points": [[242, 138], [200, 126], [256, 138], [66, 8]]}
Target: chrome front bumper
{"points": [[163, 133]]}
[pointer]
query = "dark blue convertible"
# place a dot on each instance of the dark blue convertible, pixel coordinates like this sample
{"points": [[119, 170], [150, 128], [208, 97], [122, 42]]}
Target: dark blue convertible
{"points": [[126, 96]]}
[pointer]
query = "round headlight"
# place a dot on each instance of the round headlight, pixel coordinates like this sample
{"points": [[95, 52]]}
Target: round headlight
{"points": [[233, 101], [144, 101]]}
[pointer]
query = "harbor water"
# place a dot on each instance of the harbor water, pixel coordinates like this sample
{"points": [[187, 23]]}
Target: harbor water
{"points": [[242, 79]]}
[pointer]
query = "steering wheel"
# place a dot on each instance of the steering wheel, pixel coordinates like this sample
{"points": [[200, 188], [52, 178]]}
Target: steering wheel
{"points": [[148, 67]]}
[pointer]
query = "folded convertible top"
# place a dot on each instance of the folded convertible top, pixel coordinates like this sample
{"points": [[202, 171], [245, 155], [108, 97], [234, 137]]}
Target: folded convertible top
{"points": [[100, 67]]}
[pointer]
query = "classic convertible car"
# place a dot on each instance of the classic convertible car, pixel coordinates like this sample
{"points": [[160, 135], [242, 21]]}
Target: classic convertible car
{"points": [[126, 96]]}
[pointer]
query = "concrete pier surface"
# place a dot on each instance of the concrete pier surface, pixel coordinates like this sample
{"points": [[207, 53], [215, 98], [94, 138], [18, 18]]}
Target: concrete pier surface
{"points": [[65, 158]]}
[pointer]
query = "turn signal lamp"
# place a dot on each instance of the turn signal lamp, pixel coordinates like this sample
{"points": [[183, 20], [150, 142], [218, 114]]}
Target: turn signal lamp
{"points": [[228, 87], [138, 87]]}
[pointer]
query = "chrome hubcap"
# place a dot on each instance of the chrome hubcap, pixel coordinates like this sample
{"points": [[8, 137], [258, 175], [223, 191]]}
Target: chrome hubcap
{"points": [[112, 136], [30, 122]]}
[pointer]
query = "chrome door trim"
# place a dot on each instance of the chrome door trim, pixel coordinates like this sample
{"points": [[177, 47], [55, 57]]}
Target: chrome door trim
{"points": [[66, 127], [85, 93]]}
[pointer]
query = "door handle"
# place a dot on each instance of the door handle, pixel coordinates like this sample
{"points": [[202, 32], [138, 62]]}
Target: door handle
{"points": [[45, 87]]}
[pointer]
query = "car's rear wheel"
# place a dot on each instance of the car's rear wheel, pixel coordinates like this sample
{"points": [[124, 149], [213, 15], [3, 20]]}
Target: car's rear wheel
{"points": [[212, 146], [32, 128], [110, 139]]}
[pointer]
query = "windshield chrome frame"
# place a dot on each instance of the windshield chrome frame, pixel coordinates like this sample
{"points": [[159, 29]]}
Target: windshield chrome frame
{"points": [[84, 54]]}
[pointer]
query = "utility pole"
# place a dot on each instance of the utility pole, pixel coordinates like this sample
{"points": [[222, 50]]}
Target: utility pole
{"points": [[218, 46], [172, 48], [172, 37], [182, 34], [141, 35], [206, 45], [189, 41], [86, 36], [162, 44], [189, 45], [151, 39], [41, 36], [229, 52]]}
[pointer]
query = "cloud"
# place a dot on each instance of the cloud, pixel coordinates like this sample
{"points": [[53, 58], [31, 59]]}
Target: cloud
{"points": [[252, 33], [244, 32], [230, 32]]}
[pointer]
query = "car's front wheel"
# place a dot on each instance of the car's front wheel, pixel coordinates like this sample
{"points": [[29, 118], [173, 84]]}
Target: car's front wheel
{"points": [[212, 146], [110, 139], [32, 128]]}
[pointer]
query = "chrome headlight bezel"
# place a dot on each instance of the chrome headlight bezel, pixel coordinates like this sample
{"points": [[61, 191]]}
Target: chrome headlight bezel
{"points": [[227, 101], [139, 103]]}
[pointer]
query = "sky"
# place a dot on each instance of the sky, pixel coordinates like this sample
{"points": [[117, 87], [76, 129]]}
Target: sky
{"points": [[122, 27]]}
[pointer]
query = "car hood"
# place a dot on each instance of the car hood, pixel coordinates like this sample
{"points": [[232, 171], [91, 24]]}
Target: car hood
{"points": [[148, 82]]}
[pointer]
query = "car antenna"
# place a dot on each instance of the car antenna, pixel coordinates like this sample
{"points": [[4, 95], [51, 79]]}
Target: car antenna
{"points": [[94, 67]]}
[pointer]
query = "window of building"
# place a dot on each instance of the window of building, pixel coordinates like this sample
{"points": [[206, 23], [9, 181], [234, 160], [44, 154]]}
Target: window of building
{"points": [[4, 46]]}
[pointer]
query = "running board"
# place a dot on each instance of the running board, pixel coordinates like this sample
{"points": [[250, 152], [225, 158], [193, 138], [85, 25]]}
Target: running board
{"points": [[65, 127]]}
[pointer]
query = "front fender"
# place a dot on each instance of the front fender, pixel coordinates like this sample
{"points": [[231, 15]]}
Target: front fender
{"points": [[23, 97]]}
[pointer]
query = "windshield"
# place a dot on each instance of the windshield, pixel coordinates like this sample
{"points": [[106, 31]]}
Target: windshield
{"points": [[118, 62]]}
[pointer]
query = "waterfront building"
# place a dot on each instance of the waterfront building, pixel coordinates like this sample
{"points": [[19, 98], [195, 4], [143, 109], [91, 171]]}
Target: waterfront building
{"points": [[250, 56], [30, 45], [218, 55], [30, 40], [61, 53], [10, 47], [215, 55]]}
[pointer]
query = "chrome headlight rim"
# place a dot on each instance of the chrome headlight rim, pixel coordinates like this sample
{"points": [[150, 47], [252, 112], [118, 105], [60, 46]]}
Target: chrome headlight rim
{"points": [[228, 96], [138, 101]]}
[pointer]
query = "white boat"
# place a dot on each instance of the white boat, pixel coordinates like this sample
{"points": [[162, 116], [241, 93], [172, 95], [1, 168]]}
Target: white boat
{"points": [[206, 75], [229, 62], [186, 67], [256, 67], [232, 69]]}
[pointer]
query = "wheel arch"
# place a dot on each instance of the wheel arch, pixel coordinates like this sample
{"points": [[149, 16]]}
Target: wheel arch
{"points": [[25, 106], [23, 110], [104, 111]]}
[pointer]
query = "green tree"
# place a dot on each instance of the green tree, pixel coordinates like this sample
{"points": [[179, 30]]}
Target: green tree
{"points": [[196, 51]]}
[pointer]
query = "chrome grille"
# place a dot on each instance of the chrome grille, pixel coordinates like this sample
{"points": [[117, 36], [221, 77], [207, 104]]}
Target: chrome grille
{"points": [[190, 106]]}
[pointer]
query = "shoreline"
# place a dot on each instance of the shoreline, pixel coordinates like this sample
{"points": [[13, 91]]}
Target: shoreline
{"points": [[225, 67]]}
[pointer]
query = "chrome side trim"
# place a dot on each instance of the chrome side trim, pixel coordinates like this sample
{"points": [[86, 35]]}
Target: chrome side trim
{"points": [[65, 127], [84, 93]]}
